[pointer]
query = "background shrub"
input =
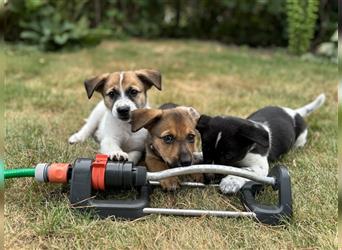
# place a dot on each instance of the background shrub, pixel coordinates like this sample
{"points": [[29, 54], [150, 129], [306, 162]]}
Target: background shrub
{"points": [[55, 24], [254, 23], [301, 16], [51, 25]]}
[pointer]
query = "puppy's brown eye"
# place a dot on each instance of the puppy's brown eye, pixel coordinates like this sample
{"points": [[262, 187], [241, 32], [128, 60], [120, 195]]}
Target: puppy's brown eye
{"points": [[191, 138], [133, 92], [168, 139], [112, 94]]}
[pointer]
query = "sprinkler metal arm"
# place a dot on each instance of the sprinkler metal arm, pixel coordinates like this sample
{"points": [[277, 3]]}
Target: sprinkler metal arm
{"points": [[209, 169], [197, 212]]}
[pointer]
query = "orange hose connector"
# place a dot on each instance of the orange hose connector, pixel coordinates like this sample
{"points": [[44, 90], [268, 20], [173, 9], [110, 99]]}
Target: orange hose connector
{"points": [[58, 172]]}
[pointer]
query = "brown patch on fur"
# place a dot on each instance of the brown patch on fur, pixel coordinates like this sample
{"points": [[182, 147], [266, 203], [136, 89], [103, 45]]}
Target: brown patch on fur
{"points": [[95, 84], [144, 117], [155, 164], [139, 80], [180, 123]]}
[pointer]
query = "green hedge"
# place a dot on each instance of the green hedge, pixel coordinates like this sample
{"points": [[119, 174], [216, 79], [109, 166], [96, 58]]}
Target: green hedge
{"points": [[56, 24]]}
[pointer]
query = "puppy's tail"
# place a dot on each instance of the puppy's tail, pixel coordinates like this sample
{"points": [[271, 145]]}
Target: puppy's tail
{"points": [[312, 106]]}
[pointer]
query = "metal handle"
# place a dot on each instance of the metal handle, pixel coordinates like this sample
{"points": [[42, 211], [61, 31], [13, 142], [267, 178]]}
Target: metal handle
{"points": [[209, 169], [187, 184], [267, 214]]}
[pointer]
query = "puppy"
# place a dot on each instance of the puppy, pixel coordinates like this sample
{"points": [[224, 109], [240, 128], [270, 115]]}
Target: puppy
{"points": [[171, 140], [122, 92], [250, 143]]}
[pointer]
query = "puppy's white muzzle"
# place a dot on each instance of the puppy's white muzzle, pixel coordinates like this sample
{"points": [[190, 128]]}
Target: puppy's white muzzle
{"points": [[122, 108]]}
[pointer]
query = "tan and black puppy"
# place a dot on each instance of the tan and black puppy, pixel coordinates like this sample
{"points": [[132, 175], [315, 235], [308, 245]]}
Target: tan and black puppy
{"points": [[171, 140], [122, 93]]}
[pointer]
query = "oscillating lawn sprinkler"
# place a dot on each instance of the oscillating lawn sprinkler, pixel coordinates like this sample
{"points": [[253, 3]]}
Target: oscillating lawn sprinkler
{"points": [[87, 177]]}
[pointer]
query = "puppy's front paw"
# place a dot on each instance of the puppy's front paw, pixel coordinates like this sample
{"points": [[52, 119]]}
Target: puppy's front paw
{"points": [[118, 156], [170, 184], [232, 184], [75, 138]]}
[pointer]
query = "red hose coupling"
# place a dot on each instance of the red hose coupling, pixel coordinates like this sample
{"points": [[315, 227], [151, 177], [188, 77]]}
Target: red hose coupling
{"points": [[98, 172]]}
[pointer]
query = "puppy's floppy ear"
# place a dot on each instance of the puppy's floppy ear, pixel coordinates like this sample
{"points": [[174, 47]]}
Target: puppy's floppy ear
{"points": [[194, 114], [203, 122], [95, 83], [143, 118], [256, 134], [150, 77]]}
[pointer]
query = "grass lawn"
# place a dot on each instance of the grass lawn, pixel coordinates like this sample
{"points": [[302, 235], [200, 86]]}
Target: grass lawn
{"points": [[46, 102]]}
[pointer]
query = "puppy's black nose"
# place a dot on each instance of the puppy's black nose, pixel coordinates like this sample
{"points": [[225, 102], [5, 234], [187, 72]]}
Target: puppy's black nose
{"points": [[185, 163], [123, 111]]}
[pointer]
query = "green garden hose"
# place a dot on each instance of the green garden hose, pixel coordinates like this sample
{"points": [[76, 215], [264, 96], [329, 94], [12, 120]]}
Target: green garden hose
{"points": [[14, 173], [19, 172], [1, 174]]}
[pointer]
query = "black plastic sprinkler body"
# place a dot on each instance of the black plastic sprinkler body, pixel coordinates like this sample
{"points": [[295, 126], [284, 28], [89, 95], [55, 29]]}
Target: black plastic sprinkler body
{"points": [[87, 177]]}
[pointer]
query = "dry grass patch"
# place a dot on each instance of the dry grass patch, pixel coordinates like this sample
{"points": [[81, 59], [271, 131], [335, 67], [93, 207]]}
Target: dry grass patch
{"points": [[46, 102]]}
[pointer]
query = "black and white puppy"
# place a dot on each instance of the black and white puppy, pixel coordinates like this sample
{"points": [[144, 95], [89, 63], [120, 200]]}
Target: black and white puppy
{"points": [[250, 143]]}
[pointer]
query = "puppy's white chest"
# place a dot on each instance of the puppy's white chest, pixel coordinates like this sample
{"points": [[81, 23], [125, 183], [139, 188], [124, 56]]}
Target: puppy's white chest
{"points": [[253, 160], [120, 132]]}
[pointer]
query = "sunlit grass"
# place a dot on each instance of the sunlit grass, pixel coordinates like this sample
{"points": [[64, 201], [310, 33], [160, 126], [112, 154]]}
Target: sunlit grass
{"points": [[45, 103]]}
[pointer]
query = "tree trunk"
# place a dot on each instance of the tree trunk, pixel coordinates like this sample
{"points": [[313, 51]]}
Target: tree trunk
{"points": [[178, 12], [97, 8]]}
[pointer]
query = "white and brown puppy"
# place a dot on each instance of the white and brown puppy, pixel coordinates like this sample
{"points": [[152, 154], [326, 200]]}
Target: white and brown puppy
{"points": [[122, 92]]}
